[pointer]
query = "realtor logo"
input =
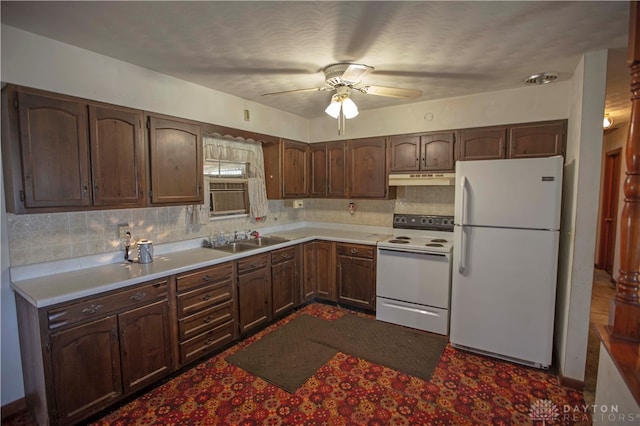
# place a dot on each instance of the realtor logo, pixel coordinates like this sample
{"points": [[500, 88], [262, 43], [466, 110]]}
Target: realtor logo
{"points": [[544, 410]]}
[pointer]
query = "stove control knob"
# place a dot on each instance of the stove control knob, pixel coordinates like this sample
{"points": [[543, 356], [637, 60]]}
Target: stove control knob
{"points": [[430, 221], [423, 220]]}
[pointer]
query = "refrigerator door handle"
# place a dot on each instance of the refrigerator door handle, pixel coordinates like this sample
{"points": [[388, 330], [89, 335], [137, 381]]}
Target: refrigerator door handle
{"points": [[463, 250], [463, 201]]}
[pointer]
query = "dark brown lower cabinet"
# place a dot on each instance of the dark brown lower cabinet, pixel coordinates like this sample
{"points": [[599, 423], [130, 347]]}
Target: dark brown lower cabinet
{"points": [[254, 292], [145, 345], [85, 361], [284, 280], [356, 275], [82, 356], [319, 279]]}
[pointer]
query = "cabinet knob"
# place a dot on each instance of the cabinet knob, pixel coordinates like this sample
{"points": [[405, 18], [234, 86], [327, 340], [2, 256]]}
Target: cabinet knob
{"points": [[206, 278], [208, 319], [207, 296], [285, 255], [354, 251]]}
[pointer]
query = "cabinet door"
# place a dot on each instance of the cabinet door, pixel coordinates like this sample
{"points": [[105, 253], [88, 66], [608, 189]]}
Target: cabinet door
{"points": [[254, 297], [405, 153], [536, 140], [117, 157], [145, 345], [318, 170], [309, 271], [337, 169], [176, 162], [325, 285], [355, 281], [283, 286], [483, 144], [368, 168], [294, 169], [85, 362], [54, 150], [437, 152]]}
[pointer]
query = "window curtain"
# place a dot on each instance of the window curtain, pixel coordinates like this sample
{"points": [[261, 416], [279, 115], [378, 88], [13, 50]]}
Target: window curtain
{"points": [[217, 147]]}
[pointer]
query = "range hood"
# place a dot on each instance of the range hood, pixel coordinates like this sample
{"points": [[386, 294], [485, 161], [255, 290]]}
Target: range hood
{"points": [[422, 179]]}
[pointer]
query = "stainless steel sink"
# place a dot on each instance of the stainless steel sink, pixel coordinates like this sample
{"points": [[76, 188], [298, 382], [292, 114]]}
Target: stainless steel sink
{"points": [[265, 241], [253, 244], [234, 247]]}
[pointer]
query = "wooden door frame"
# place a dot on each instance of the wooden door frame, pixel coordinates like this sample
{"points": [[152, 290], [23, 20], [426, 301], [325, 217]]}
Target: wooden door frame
{"points": [[609, 202]]}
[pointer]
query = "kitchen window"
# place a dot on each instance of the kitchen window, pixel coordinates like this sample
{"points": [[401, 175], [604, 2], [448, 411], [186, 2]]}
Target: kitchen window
{"points": [[234, 176]]}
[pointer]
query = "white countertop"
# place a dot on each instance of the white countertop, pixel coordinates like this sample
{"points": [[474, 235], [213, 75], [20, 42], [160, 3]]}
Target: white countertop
{"points": [[42, 289]]}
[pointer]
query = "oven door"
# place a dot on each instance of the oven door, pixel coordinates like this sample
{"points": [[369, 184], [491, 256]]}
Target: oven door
{"points": [[414, 277]]}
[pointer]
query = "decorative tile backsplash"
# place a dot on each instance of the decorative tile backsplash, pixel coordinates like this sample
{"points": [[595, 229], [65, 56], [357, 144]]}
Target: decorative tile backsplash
{"points": [[36, 238]]}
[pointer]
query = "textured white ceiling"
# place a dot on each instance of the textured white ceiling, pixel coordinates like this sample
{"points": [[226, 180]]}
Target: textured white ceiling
{"points": [[245, 49]]}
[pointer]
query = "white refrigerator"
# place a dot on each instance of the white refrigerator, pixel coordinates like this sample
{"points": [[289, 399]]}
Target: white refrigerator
{"points": [[505, 258]]}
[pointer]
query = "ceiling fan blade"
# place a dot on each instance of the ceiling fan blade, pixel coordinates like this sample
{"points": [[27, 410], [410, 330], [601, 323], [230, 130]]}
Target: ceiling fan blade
{"points": [[313, 89], [392, 92], [355, 72]]}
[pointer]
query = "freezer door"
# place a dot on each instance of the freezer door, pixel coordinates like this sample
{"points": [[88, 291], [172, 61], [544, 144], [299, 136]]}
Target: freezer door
{"points": [[517, 193], [503, 292]]}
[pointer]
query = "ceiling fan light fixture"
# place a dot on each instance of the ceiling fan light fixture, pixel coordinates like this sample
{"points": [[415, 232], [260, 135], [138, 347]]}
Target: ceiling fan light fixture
{"points": [[349, 108], [607, 122], [334, 107]]}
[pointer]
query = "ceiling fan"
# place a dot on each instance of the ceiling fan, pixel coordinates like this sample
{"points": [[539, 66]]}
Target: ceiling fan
{"points": [[344, 78]]}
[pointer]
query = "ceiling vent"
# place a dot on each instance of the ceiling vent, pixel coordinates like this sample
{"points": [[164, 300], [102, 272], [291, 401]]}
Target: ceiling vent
{"points": [[542, 78]]}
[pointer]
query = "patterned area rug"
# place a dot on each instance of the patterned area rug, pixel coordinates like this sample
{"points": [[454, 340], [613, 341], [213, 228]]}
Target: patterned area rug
{"points": [[465, 389]]}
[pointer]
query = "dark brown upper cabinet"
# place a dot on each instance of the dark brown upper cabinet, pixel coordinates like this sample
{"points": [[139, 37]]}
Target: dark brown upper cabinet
{"points": [[117, 156], [367, 168], [527, 140], [64, 153], [54, 151], [536, 140], [285, 169], [482, 144], [328, 173], [175, 155], [426, 152], [318, 182]]}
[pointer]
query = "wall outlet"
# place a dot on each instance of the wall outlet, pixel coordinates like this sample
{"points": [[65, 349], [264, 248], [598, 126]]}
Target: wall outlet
{"points": [[298, 204], [123, 228]]}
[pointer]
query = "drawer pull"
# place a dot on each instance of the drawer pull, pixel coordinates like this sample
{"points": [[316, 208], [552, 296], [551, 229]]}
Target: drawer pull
{"points": [[354, 251], [138, 296], [92, 309], [254, 265], [285, 255], [208, 319], [208, 341], [207, 296], [206, 278]]}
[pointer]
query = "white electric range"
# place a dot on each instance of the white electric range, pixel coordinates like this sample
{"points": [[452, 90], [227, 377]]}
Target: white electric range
{"points": [[413, 282]]}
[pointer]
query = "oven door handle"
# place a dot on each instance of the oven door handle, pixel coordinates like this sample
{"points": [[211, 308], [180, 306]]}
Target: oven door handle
{"points": [[446, 256]]}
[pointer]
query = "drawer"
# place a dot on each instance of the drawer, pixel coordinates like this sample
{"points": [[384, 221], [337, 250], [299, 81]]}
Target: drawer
{"points": [[206, 342], [202, 321], [355, 250], [253, 262], [101, 305], [202, 298], [282, 255], [204, 276]]}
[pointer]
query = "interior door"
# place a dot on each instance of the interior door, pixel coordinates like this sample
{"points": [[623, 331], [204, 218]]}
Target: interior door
{"points": [[609, 210]]}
